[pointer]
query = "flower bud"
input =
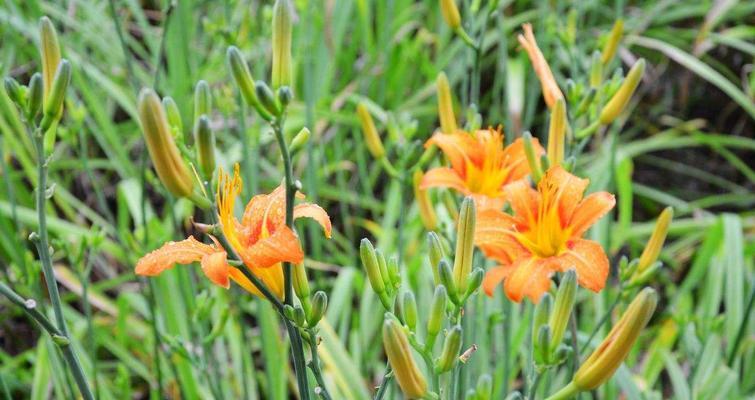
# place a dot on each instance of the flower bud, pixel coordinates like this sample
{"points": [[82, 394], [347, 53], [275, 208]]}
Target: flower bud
{"points": [[35, 95], [474, 281], [408, 375], [609, 355], [50, 54], [536, 170], [464, 244], [541, 345], [655, 243], [371, 136], [166, 158], [174, 117], [436, 254], [622, 96], [556, 133], [447, 280], [202, 99], [299, 281], [562, 308], [484, 390], [14, 91], [204, 140], [284, 95], [551, 91], [450, 13], [596, 70], [267, 98], [57, 95], [393, 272], [450, 352], [437, 311], [409, 306], [319, 306], [301, 139], [243, 78], [609, 50], [445, 104], [383, 266], [542, 312], [424, 205], [282, 28], [370, 262]]}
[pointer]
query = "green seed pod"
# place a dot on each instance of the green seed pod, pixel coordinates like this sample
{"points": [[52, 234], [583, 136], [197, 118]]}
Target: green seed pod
{"points": [[281, 44], [35, 95], [408, 375], [266, 98], [202, 99], [437, 311], [436, 254], [565, 298], [204, 140], [54, 102], [620, 99], [174, 117], [409, 306], [319, 306], [464, 244], [450, 352], [244, 81]]}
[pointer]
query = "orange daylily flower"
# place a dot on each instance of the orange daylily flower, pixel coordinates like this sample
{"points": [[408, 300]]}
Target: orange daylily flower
{"points": [[481, 166], [544, 235], [261, 239]]}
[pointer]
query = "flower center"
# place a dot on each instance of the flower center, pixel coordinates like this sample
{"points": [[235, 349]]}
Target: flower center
{"points": [[547, 236]]}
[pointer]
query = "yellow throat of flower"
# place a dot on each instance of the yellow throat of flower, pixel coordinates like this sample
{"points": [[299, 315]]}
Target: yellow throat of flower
{"points": [[487, 176], [547, 234]]}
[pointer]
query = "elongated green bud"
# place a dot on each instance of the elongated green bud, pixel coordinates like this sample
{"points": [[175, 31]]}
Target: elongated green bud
{"points": [[57, 95], [13, 88], [425, 206], [284, 95], [35, 95], [609, 50], [244, 81], [383, 265], [450, 352], [542, 312], [166, 158], [300, 140], [174, 117], [50, 54], [596, 70], [319, 306], [371, 265], [450, 13], [622, 96], [542, 342], [474, 281], [484, 390], [655, 243], [371, 135], [562, 309], [408, 375], [202, 99], [437, 311], [447, 280], [204, 140], [267, 98], [536, 170], [445, 104], [393, 272], [409, 305], [282, 28], [557, 133], [300, 281], [464, 244], [436, 254], [609, 355]]}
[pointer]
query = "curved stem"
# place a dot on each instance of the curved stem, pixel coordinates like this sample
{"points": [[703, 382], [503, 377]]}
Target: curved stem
{"points": [[314, 365], [384, 383], [566, 392]]}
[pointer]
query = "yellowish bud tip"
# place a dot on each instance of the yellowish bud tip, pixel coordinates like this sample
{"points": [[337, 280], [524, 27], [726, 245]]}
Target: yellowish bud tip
{"points": [[445, 105], [282, 30], [166, 158], [622, 96], [50, 53], [655, 243], [609, 50], [371, 136], [408, 375], [450, 13], [556, 133], [551, 91], [426, 210], [609, 355]]}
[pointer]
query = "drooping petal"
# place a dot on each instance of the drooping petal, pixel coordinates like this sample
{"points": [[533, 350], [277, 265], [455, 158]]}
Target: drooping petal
{"points": [[272, 278], [315, 212], [458, 148], [566, 189], [281, 246], [494, 277], [524, 202], [530, 277], [183, 252], [494, 235], [590, 262], [589, 211], [215, 267], [444, 177]]}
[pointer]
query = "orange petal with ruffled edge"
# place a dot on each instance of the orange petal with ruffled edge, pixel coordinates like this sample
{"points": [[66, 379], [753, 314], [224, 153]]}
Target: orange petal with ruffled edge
{"points": [[589, 211], [494, 235], [566, 191], [215, 267], [281, 246], [264, 209], [183, 252], [315, 212], [524, 201], [458, 148], [590, 262], [443, 177], [530, 277], [494, 277]]}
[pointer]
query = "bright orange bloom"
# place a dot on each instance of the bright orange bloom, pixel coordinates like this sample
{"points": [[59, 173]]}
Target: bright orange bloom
{"points": [[544, 235], [262, 240], [481, 166]]}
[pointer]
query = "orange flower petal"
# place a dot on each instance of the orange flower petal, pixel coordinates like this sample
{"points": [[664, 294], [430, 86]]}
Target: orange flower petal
{"points": [[458, 148], [530, 277], [315, 212], [183, 252], [590, 262], [272, 277], [551, 91], [444, 177], [589, 211], [267, 209], [517, 158], [494, 277], [568, 191], [524, 202], [494, 236], [216, 268], [281, 246]]}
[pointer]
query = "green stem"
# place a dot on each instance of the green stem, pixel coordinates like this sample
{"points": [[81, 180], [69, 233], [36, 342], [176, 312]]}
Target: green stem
{"points": [[314, 365], [384, 383], [566, 392], [506, 344]]}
